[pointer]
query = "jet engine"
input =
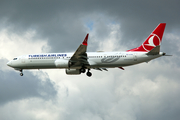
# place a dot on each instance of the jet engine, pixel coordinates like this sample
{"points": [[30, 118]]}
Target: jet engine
{"points": [[73, 71], [61, 63]]}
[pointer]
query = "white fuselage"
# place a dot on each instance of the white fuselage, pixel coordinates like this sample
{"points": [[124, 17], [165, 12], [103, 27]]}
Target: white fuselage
{"points": [[79, 61], [95, 59]]}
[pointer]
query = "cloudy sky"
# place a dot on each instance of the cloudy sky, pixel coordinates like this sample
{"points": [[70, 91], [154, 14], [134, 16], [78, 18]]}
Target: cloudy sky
{"points": [[148, 91]]}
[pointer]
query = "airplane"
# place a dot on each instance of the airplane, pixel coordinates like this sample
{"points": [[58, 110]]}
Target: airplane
{"points": [[81, 61]]}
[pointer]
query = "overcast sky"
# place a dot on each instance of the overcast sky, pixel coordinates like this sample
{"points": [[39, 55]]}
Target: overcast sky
{"points": [[148, 91]]}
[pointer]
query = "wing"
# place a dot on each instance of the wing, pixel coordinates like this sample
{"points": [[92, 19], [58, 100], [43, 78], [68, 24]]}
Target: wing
{"points": [[79, 58]]}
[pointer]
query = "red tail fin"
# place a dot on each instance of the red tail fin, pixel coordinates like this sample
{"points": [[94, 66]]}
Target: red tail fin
{"points": [[152, 41]]}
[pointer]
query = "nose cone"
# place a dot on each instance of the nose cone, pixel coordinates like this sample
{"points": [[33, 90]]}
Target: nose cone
{"points": [[9, 63]]}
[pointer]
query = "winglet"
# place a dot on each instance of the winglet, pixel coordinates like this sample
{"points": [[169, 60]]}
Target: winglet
{"points": [[85, 40]]}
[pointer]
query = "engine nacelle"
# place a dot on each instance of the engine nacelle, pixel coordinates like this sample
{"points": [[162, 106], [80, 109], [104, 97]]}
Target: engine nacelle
{"points": [[73, 71], [61, 63]]}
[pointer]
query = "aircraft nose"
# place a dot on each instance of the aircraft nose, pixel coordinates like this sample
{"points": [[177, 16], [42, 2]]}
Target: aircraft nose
{"points": [[9, 63]]}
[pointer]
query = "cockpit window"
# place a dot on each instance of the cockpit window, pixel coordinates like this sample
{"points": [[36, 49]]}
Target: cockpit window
{"points": [[15, 59]]}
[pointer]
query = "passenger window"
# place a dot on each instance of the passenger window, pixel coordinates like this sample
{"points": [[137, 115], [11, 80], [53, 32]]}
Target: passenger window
{"points": [[15, 59]]}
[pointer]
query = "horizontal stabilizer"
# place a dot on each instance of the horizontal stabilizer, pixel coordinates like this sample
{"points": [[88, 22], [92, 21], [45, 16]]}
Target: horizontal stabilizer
{"points": [[154, 51], [167, 55]]}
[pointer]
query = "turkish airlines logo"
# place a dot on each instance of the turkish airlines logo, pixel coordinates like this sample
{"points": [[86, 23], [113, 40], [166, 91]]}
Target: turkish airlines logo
{"points": [[152, 41]]}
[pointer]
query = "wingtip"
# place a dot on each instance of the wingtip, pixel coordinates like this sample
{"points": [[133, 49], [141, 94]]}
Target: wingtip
{"points": [[163, 23], [85, 40]]}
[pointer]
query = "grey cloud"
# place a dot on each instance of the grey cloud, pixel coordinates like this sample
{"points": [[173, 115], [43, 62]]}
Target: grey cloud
{"points": [[61, 22], [14, 87], [145, 92], [107, 95]]}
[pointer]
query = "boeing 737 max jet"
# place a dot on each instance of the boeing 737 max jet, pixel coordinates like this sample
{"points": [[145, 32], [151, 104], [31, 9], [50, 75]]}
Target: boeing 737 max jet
{"points": [[81, 61]]}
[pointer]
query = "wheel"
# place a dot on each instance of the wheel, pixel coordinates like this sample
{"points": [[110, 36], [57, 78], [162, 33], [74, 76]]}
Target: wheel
{"points": [[83, 70], [21, 74], [89, 74]]}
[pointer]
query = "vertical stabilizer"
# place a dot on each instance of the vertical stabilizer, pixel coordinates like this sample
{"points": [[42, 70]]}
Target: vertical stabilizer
{"points": [[152, 41]]}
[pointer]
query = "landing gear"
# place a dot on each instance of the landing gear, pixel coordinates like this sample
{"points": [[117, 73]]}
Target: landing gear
{"points": [[89, 74], [83, 70], [21, 74]]}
